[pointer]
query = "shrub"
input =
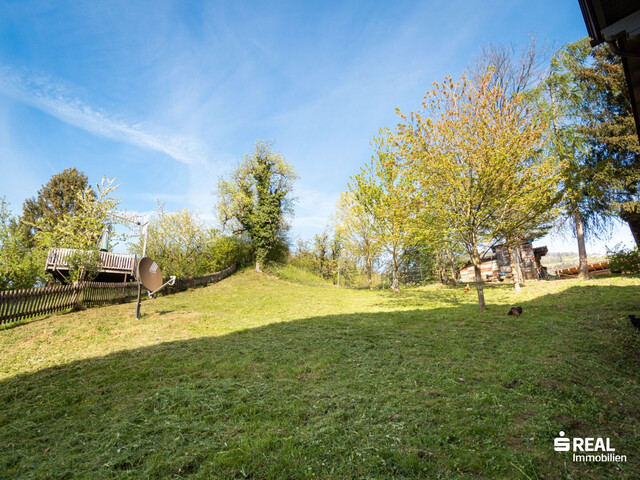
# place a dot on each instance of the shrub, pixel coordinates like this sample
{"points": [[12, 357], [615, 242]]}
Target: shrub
{"points": [[627, 261], [84, 265], [222, 251], [183, 246]]}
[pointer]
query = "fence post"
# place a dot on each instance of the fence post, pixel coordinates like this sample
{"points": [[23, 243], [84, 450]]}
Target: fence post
{"points": [[75, 297]]}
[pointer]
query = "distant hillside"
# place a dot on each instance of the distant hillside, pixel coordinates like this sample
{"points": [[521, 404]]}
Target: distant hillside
{"points": [[559, 260]]}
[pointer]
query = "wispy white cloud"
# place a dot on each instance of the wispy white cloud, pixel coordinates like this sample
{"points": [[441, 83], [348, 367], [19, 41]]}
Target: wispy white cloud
{"points": [[312, 212], [53, 97]]}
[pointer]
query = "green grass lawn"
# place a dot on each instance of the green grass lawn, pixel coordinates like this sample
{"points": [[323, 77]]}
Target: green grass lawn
{"points": [[258, 377]]}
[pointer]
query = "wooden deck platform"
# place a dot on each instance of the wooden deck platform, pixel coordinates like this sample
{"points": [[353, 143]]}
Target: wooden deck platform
{"points": [[598, 268], [116, 267]]}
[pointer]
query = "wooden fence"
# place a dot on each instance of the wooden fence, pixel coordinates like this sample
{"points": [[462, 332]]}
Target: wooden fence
{"points": [[183, 284], [17, 305]]}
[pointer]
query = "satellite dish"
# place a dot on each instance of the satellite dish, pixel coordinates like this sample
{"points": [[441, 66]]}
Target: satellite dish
{"points": [[149, 274]]}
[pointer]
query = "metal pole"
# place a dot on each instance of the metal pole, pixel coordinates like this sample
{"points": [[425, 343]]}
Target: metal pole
{"points": [[144, 250]]}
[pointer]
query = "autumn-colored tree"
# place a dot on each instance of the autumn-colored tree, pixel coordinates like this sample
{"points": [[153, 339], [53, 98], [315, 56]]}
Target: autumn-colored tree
{"points": [[480, 165], [517, 71], [255, 200], [382, 191]]}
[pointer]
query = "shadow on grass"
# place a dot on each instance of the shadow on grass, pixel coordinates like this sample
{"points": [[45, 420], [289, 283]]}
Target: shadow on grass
{"points": [[406, 394]]}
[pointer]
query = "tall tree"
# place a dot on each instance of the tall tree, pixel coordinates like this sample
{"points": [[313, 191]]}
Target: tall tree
{"points": [[255, 200], [382, 191], [592, 130], [610, 127], [54, 200], [479, 163], [517, 71], [81, 227]]}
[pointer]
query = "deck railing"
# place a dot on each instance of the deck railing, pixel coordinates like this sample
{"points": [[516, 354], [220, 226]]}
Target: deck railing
{"points": [[111, 262]]}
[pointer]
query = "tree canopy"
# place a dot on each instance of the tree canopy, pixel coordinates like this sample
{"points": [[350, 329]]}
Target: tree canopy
{"points": [[382, 192], [185, 247], [356, 227], [20, 266], [256, 199], [56, 199], [592, 130], [479, 165]]}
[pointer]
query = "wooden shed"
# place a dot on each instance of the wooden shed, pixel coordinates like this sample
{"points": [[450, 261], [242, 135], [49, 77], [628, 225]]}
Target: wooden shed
{"points": [[497, 264], [528, 256]]}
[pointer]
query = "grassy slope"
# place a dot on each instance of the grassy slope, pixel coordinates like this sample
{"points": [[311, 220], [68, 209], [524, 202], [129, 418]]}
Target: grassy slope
{"points": [[258, 377]]}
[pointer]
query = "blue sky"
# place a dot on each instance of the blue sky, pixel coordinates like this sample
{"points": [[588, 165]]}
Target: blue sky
{"points": [[167, 96]]}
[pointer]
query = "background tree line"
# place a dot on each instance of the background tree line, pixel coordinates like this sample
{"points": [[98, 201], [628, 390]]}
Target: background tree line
{"points": [[67, 212], [521, 142]]}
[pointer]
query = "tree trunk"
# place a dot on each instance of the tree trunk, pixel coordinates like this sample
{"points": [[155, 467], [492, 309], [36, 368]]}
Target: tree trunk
{"points": [[633, 220], [395, 282], [452, 267], [258, 266], [396, 269], [76, 296], [519, 265], [453, 273], [475, 258], [583, 272], [515, 271]]}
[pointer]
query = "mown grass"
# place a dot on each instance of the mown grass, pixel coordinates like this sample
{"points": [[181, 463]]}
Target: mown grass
{"points": [[290, 273], [256, 377]]}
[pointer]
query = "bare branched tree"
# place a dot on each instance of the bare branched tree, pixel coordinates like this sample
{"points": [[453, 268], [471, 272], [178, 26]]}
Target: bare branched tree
{"points": [[515, 69]]}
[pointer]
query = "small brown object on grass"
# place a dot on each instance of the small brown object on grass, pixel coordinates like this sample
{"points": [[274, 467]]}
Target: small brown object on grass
{"points": [[515, 311]]}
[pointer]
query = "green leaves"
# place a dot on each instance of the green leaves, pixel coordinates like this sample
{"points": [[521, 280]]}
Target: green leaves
{"points": [[54, 200], [20, 266], [586, 101], [257, 197], [184, 246], [478, 163], [382, 198], [81, 227]]}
